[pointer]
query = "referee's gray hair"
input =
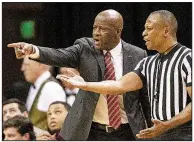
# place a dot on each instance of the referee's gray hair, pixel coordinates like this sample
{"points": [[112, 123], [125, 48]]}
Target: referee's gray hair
{"points": [[169, 18]]}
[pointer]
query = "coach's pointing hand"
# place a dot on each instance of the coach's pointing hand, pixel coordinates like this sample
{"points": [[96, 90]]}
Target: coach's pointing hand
{"points": [[22, 49]]}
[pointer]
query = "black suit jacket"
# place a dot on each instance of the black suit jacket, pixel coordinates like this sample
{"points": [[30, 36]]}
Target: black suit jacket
{"points": [[90, 62]]}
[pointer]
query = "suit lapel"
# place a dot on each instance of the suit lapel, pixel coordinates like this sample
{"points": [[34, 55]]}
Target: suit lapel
{"points": [[100, 59], [127, 59], [128, 63]]}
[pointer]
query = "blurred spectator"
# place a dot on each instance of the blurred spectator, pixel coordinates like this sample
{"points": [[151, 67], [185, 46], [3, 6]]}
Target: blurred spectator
{"points": [[18, 128], [56, 115], [13, 107], [42, 93], [69, 90]]}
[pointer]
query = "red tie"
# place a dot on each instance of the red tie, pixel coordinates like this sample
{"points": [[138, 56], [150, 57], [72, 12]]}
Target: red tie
{"points": [[112, 100]]}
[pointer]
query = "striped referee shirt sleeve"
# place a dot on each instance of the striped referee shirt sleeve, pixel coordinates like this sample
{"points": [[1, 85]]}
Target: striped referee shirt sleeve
{"points": [[140, 70], [186, 69]]}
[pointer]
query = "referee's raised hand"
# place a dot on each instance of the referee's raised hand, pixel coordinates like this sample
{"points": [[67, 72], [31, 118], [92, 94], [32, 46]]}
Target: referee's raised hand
{"points": [[22, 49]]}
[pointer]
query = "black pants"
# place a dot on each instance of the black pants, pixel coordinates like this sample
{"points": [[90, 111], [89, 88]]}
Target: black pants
{"points": [[102, 135]]}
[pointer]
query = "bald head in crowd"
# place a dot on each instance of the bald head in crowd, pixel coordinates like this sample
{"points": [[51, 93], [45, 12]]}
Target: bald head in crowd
{"points": [[32, 69]]}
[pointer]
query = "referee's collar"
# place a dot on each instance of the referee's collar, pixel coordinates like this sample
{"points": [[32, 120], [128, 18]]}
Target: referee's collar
{"points": [[171, 53]]}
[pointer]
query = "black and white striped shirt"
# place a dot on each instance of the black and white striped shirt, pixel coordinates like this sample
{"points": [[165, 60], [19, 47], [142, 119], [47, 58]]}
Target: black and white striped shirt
{"points": [[167, 77]]}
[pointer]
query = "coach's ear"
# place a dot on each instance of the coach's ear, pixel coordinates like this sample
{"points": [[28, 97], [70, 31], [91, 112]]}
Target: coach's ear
{"points": [[118, 32]]}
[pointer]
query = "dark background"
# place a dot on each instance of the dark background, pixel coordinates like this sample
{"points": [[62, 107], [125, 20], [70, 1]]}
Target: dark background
{"points": [[59, 24]]}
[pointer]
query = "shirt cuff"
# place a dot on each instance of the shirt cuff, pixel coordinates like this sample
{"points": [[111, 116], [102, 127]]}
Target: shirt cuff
{"points": [[36, 54]]}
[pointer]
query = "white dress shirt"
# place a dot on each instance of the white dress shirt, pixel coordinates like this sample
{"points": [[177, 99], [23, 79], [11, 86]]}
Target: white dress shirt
{"points": [[71, 95], [101, 112], [51, 92]]}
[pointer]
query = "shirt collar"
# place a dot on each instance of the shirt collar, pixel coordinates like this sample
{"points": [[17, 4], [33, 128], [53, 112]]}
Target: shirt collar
{"points": [[115, 51], [42, 78], [171, 53]]}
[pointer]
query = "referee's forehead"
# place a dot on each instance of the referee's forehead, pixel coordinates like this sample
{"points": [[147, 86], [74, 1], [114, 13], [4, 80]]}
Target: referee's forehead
{"points": [[153, 19]]}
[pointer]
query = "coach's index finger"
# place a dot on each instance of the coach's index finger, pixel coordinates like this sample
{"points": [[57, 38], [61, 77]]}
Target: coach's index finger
{"points": [[13, 45]]}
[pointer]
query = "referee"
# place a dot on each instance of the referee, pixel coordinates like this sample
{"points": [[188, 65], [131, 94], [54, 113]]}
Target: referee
{"points": [[167, 76]]}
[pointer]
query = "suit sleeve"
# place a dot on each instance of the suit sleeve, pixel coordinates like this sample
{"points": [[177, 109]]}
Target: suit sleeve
{"points": [[64, 57]]}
